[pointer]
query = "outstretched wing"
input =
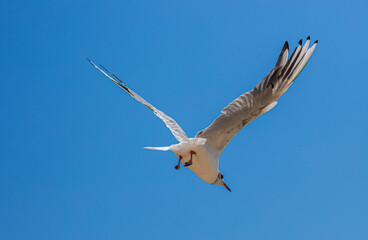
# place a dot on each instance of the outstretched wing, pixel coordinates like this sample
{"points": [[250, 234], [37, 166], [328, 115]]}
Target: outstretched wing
{"points": [[174, 127], [259, 100]]}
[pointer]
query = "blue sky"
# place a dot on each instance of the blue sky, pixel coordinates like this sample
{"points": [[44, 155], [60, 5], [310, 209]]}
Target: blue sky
{"points": [[72, 159]]}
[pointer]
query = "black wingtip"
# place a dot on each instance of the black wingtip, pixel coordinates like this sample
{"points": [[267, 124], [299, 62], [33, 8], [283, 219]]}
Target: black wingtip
{"points": [[300, 42], [316, 41], [110, 73], [286, 46], [89, 60], [104, 68], [308, 38]]}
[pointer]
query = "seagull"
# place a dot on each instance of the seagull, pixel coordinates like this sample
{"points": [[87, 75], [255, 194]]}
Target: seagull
{"points": [[201, 153]]}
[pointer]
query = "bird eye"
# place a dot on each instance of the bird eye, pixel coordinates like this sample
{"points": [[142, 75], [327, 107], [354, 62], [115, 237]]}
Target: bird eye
{"points": [[221, 176]]}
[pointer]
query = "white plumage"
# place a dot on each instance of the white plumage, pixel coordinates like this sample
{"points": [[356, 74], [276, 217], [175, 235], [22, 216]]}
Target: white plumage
{"points": [[201, 153]]}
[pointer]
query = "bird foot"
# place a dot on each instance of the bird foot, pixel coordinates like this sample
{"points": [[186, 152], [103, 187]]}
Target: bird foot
{"points": [[190, 162], [177, 167], [187, 164]]}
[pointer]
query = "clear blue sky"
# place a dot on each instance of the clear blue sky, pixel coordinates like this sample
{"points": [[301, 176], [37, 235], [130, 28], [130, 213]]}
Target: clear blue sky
{"points": [[72, 160]]}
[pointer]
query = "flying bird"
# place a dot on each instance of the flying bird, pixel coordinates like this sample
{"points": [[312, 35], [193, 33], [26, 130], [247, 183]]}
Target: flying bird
{"points": [[201, 153]]}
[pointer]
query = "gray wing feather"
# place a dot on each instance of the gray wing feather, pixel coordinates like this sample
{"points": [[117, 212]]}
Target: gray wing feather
{"points": [[174, 127], [259, 100]]}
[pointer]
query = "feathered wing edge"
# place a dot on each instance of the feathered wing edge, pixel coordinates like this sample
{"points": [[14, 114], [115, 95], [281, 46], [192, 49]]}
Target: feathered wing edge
{"points": [[287, 73], [259, 100], [174, 127]]}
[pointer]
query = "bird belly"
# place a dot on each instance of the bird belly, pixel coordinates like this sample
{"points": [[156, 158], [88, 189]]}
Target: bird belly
{"points": [[204, 164], [205, 167]]}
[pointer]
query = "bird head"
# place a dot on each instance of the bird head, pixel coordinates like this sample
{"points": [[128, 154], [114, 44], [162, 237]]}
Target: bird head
{"points": [[220, 181]]}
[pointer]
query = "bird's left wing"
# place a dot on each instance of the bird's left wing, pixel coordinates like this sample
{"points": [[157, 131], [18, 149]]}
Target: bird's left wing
{"points": [[259, 100], [174, 127]]}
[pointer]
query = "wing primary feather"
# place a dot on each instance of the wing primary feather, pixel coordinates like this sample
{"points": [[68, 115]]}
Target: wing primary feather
{"points": [[304, 61], [111, 74], [293, 61], [298, 60], [287, 65], [283, 55]]}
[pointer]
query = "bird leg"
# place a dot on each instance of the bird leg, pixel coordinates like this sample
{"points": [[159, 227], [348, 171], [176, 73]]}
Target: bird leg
{"points": [[187, 164], [177, 167]]}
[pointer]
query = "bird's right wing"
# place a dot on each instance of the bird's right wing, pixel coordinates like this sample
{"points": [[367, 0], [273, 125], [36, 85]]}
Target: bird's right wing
{"points": [[174, 127], [259, 100]]}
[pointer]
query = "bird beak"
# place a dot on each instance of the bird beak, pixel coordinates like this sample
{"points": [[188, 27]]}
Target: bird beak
{"points": [[226, 187]]}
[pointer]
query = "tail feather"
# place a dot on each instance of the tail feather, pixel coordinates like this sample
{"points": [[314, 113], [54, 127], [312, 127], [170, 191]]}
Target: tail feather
{"points": [[158, 148]]}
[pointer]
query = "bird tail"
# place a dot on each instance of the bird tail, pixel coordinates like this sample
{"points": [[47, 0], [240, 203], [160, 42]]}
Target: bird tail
{"points": [[158, 148]]}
